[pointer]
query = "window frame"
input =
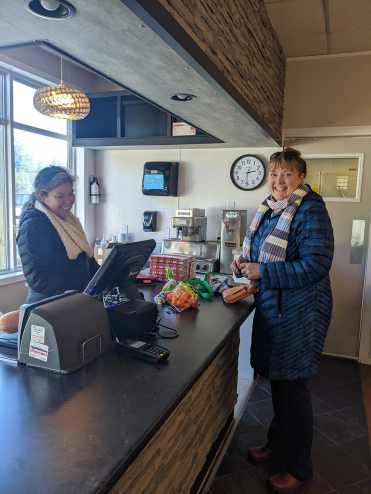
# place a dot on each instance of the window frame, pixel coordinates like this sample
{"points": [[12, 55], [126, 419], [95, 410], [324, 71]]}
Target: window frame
{"points": [[359, 156], [9, 172]]}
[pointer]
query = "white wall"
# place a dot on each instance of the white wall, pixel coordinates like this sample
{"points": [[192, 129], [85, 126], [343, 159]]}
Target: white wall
{"points": [[204, 182], [12, 296]]}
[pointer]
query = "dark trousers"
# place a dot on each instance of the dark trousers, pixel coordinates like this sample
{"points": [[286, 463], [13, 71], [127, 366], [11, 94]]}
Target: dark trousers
{"points": [[291, 431]]}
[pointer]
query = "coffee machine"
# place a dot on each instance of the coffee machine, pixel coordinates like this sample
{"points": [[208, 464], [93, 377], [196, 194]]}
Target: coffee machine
{"points": [[232, 236], [190, 224]]}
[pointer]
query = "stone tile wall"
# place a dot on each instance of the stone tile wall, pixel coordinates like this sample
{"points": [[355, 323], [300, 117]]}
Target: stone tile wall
{"points": [[239, 39], [174, 457]]}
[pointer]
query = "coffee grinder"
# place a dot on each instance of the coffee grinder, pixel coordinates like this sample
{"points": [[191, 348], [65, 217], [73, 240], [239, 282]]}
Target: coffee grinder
{"points": [[233, 232]]}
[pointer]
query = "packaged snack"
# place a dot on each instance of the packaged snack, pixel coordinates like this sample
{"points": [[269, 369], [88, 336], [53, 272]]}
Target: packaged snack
{"points": [[182, 297], [171, 283], [218, 282]]}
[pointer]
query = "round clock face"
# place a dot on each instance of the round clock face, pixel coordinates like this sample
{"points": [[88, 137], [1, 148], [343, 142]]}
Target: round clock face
{"points": [[248, 172]]}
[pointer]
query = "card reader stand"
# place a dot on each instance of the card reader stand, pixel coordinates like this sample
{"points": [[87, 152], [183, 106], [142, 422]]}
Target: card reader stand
{"points": [[63, 333]]}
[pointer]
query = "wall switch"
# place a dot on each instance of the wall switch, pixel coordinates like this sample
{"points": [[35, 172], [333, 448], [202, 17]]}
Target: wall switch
{"points": [[230, 204]]}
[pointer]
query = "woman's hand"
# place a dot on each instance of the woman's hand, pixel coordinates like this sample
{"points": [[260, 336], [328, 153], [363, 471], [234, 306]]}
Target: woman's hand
{"points": [[238, 264], [251, 271]]}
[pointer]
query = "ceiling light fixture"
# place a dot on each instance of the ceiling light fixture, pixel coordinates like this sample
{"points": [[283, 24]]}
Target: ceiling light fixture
{"points": [[50, 9], [182, 97], [61, 102]]}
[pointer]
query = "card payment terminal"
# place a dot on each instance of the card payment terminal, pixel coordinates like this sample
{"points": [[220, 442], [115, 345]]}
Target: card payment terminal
{"points": [[142, 350]]}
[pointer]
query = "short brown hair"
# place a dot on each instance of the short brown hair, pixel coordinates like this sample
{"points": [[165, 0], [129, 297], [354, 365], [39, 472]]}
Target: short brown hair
{"points": [[291, 158]]}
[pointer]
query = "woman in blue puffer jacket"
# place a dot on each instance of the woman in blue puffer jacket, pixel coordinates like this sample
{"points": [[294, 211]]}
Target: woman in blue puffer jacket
{"points": [[288, 250]]}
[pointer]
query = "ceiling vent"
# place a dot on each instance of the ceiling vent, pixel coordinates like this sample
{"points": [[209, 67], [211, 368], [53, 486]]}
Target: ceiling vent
{"points": [[50, 9]]}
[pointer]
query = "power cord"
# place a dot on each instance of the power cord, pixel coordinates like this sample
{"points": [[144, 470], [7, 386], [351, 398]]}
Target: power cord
{"points": [[155, 331]]}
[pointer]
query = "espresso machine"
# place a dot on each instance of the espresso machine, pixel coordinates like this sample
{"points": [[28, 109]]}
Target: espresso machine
{"points": [[191, 230], [232, 236], [190, 224]]}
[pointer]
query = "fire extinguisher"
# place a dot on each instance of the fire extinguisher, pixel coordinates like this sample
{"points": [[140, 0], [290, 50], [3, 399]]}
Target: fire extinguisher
{"points": [[94, 190]]}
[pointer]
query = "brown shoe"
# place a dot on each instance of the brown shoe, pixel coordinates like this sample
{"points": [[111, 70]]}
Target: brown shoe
{"points": [[260, 455], [285, 482]]}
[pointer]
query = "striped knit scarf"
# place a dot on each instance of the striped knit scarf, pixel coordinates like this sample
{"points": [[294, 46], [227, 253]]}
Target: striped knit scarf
{"points": [[274, 246]]}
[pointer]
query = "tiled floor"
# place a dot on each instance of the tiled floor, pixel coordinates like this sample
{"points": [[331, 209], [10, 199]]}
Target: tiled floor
{"points": [[341, 455]]}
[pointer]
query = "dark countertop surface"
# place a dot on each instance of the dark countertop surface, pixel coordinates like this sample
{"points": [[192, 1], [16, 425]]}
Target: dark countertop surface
{"points": [[78, 433]]}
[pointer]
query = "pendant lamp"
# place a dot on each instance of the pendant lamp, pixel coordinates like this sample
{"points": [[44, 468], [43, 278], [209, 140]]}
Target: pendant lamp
{"points": [[61, 102]]}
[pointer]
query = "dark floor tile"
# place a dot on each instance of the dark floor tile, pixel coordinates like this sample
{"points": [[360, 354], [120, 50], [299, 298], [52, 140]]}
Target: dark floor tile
{"points": [[261, 411], [361, 488], [338, 468], [320, 440], [246, 423], [359, 449], [339, 371], [231, 463], [318, 381], [337, 397], [354, 388], [265, 384], [357, 414], [338, 427], [240, 483], [247, 440], [317, 486], [259, 394], [319, 406]]}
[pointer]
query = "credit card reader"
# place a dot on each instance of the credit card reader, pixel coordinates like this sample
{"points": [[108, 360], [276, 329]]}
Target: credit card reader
{"points": [[142, 350]]}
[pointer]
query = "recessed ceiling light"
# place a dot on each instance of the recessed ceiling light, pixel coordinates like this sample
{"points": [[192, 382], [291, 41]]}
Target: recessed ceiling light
{"points": [[50, 9], [182, 97]]}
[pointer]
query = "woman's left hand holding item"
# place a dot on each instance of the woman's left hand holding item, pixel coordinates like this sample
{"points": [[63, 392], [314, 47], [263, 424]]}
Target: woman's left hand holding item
{"points": [[251, 271]]}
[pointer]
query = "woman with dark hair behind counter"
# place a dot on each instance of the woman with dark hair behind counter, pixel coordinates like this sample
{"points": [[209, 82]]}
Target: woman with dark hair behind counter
{"points": [[288, 250], [52, 245]]}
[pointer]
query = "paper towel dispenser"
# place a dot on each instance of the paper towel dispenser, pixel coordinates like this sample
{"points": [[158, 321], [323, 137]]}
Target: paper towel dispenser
{"points": [[63, 333]]}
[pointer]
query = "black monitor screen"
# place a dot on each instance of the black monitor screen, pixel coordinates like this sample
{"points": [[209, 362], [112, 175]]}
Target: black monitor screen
{"points": [[120, 268]]}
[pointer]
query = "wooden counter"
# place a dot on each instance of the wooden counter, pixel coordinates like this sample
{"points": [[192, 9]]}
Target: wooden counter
{"points": [[119, 424]]}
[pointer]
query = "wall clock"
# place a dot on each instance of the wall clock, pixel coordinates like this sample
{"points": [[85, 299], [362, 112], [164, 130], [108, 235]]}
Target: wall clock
{"points": [[248, 172]]}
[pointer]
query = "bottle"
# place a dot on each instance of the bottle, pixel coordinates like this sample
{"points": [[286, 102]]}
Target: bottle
{"points": [[103, 244]]}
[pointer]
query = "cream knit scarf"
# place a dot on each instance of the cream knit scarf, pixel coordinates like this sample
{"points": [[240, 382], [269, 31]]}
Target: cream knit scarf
{"points": [[70, 231]]}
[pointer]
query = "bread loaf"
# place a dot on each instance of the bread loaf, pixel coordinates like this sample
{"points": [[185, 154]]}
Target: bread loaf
{"points": [[9, 322]]}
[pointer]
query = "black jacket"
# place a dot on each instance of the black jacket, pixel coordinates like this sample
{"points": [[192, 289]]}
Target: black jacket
{"points": [[45, 264]]}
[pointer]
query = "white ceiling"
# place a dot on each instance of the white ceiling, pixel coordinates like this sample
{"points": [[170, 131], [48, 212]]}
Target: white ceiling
{"points": [[321, 27]]}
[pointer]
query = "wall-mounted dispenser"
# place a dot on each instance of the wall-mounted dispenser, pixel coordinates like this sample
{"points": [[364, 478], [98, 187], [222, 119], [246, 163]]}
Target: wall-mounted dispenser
{"points": [[150, 221], [160, 178]]}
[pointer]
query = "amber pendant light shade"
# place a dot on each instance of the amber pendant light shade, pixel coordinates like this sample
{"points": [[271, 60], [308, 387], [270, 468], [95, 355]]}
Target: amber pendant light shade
{"points": [[61, 102]]}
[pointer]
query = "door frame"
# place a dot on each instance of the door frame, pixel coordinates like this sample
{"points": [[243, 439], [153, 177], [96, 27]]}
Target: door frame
{"points": [[364, 338], [364, 352]]}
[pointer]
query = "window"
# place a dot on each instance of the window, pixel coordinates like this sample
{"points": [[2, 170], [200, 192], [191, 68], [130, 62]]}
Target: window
{"points": [[336, 178], [29, 142]]}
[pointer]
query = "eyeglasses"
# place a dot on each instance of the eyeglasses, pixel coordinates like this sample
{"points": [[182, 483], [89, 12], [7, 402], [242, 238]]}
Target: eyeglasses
{"points": [[287, 154]]}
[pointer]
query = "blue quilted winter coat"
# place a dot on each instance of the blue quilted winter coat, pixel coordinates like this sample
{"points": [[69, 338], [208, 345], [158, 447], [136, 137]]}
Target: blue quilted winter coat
{"points": [[294, 302]]}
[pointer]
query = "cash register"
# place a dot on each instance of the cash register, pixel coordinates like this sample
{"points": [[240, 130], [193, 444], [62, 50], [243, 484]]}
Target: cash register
{"points": [[64, 332]]}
